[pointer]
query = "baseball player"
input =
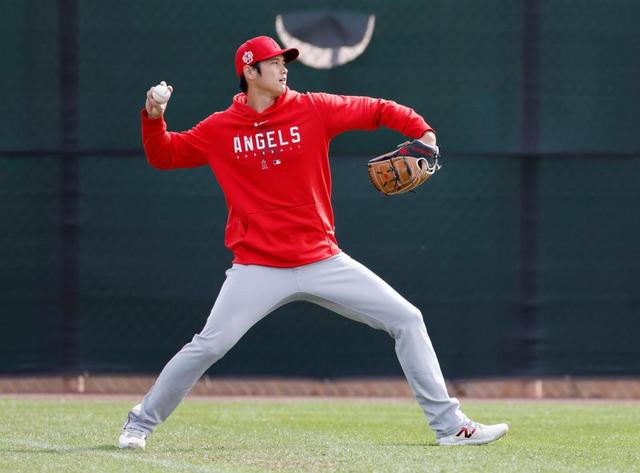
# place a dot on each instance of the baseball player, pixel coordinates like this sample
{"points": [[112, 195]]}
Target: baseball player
{"points": [[269, 151]]}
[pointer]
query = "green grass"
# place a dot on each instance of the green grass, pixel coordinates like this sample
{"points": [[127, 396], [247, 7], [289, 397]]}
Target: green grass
{"points": [[305, 436]]}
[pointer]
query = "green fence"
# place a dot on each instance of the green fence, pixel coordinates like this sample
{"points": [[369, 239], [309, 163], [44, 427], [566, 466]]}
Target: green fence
{"points": [[522, 253]]}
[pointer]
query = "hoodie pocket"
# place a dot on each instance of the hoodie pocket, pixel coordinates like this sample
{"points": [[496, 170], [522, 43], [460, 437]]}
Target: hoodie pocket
{"points": [[290, 229], [234, 232]]}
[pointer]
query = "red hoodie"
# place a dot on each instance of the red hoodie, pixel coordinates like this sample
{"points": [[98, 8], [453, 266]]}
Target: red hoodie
{"points": [[273, 167]]}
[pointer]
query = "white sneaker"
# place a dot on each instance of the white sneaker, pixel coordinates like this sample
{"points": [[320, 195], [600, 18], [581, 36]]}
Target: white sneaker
{"points": [[472, 433], [132, 439]]}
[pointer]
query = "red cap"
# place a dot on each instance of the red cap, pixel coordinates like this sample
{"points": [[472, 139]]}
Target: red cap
{"points": [[260, 48]]}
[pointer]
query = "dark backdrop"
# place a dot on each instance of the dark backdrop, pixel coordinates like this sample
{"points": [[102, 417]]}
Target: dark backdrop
{"points": [[522, 253]]}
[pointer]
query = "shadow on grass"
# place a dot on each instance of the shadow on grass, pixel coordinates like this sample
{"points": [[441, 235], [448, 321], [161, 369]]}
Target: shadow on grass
{"points": [[61, 450], [410, 444], [104, 448], [98, 448]]}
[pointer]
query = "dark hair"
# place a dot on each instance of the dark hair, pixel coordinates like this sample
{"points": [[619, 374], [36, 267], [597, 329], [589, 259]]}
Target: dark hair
{"points": [[243, 82]]}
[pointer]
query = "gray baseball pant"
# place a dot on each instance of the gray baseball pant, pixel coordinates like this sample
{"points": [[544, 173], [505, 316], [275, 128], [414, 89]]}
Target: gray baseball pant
{"points": [[338, 283]]}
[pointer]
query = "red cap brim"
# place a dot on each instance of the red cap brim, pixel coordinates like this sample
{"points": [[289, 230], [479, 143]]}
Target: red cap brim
{"points": [[290, 54]]}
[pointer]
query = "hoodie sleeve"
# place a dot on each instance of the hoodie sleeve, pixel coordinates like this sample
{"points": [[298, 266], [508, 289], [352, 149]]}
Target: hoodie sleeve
{"points": [[342, 113], [170, 150]]}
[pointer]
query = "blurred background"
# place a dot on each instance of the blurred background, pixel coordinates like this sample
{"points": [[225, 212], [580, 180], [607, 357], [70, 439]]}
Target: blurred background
{"points": [[523, 253]]}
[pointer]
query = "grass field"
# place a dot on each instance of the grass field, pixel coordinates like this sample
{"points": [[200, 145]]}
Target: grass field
{"points": [[248, 435]]}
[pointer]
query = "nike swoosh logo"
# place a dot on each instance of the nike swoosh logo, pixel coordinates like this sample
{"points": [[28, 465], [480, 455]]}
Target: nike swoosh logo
{"points": [[257, 124]]}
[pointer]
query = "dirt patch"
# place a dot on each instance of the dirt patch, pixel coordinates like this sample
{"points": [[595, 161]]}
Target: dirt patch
{"points": [[116, 387]]}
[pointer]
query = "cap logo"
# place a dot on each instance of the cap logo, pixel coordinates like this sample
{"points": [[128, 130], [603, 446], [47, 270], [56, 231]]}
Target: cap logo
{"points": [[247, 57]]}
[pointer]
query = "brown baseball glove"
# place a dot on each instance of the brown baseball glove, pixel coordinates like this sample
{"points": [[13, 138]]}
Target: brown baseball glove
{"points": [[405, 168]]}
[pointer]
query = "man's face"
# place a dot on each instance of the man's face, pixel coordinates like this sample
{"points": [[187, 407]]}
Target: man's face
{"points": [[273, 77]]}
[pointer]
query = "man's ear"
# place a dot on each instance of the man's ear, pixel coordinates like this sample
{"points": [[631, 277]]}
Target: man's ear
{"points": [[249, 72]]}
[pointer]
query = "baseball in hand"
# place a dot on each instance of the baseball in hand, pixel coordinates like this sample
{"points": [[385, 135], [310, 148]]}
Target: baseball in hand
{"points": [[161, 93]]}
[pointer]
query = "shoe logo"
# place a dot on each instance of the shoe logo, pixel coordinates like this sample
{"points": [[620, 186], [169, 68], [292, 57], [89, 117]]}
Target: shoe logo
{"points": [[466, 432], [257, 124]]}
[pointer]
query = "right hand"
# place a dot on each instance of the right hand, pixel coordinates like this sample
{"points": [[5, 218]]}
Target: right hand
{"points": [[155, 109]]}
